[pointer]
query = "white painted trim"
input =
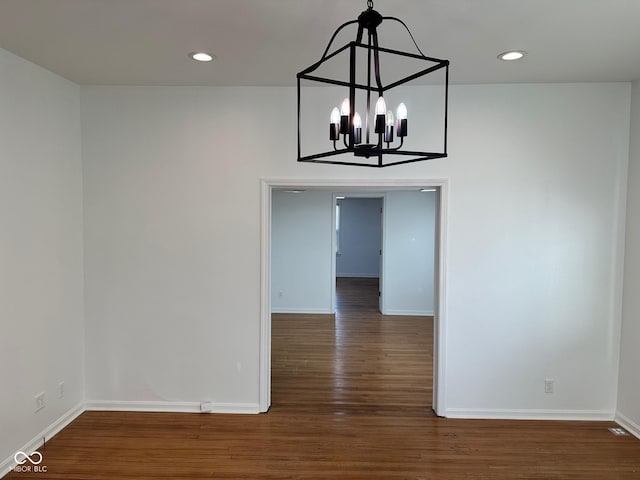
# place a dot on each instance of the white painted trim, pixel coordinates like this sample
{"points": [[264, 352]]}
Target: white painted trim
{"points": [[384, 227], [411, 313], [628, 424], [303, 311], [354, 185], [48, 433], [334, 254], [529, 414], [264, 380], [616, 285], [440, 298], [168, 407], [356, 275]]}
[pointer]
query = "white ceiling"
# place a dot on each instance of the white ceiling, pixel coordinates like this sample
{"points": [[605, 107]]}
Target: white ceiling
{"points": [[265, 42]]}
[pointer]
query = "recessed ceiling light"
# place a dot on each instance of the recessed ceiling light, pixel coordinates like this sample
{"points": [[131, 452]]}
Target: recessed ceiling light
{"points": [[428, 190], [202, 56], [294, 191], [512, 55]]}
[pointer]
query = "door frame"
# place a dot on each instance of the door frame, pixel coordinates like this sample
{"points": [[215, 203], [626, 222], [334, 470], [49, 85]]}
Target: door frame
{"points": [[440, 283]]}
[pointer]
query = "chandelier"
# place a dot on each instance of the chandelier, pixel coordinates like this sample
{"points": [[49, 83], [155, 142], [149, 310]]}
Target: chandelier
{"points": [[367, 74]]}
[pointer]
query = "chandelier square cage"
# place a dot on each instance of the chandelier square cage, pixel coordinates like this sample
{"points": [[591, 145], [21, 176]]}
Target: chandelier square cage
{"points": [[372, 142]]}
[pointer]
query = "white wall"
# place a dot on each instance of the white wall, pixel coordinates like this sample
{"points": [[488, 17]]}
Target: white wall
{"points": [[409, 253], [172, 222], [534, 242], [360, 237], [172, 237], [629, 387], [41, 274], [301, 239]]}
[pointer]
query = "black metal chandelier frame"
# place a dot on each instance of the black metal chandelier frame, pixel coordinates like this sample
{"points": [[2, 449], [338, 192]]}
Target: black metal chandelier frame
{"points": [[369, 20]]}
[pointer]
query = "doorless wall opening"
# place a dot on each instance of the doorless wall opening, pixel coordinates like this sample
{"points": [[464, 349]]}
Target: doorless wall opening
{"points": [[439, 300], [358, 241]]}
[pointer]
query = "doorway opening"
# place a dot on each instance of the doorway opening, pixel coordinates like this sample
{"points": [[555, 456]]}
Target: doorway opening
{"points": [[359, 250], [341, 334]]}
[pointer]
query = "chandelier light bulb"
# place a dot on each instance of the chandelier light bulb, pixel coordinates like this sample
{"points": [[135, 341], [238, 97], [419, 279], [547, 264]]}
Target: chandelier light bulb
{"points": [[401, 128], [335, 116], [388, 129], [381, 106], [390, 118], [357, 121], [402, 112], [334, 124], [345, 109], [381, 113], [357, 129]]}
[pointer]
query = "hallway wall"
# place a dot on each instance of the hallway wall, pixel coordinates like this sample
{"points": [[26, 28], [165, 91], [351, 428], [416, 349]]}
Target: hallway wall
{"points": [[360, 238]]}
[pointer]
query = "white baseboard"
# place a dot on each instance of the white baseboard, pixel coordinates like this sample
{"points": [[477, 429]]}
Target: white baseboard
{"points": [[410, 313], [303, 311], [533, 414], [628, 424], [169, 407], [48, 433]]}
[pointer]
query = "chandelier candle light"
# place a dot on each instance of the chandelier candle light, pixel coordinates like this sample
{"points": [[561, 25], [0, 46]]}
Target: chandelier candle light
{"points": [[387, 137]]}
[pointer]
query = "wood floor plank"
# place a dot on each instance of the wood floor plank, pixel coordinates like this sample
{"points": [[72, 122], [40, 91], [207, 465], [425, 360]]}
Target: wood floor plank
{"points": [[351, 400]]}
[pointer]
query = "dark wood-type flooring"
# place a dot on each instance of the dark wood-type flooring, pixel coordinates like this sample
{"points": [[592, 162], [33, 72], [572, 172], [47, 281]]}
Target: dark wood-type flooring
{"points": [[358, 363], [350, 400]]}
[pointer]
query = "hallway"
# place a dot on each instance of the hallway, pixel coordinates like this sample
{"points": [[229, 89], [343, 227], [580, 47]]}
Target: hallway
{"points": [[360, 362]]}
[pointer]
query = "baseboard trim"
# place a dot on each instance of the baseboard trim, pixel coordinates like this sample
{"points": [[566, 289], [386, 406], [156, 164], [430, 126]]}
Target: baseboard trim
{"points": [[533, 414], [303, 311], [169, 407], [628, 424], [410, 313], [48, 433]]}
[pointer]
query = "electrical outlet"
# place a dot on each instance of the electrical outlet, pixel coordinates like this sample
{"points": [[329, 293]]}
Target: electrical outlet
{"points": [[61, 390], [548, 386], [41, 401], [280, 294]]}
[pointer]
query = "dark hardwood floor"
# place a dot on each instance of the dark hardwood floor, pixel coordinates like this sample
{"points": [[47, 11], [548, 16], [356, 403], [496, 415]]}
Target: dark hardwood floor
{"points": [[359, 363], [351, 400]]}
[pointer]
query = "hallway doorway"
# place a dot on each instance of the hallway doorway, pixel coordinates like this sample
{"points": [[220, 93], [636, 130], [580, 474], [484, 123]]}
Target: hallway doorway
{"points": [[315, 353], [359, 245]]}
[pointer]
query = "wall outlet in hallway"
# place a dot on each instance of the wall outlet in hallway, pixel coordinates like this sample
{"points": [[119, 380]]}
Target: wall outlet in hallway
{"points": [[280, 294], [61, 390], [548, 386]]}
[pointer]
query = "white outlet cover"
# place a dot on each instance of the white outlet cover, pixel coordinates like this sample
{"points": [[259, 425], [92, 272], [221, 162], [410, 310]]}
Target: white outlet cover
{"points": [[41, 401]]}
